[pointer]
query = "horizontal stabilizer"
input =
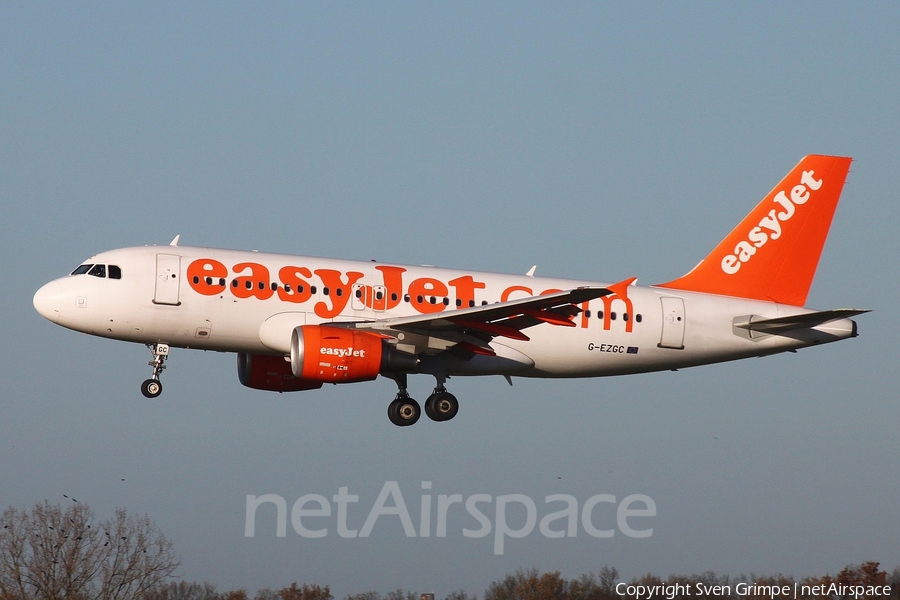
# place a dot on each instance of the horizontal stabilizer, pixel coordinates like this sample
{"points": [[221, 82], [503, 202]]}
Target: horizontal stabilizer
{"points": [[781, 325]]}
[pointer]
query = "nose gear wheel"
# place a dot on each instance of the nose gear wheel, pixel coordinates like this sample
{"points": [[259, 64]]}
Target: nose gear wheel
{"points": [[151, 388]]}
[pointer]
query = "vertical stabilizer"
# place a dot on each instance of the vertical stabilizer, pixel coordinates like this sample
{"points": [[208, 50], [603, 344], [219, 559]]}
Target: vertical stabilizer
{"points": [[773, 253]]}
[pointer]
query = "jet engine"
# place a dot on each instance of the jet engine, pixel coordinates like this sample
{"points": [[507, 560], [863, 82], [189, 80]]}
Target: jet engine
{"points": [[270, 373], [338, 355]]}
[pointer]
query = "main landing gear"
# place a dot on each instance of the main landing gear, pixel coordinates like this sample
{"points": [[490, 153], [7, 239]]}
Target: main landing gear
{"points": [[441, 405], [151, 388]]}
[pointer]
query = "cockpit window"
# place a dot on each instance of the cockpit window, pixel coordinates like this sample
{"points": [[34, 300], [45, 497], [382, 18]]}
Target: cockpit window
{"points": [[81, 270], [115, 272]]}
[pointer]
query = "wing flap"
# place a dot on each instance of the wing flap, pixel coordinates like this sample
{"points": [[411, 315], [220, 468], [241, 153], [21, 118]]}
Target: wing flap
{"points": [[474, 327]]}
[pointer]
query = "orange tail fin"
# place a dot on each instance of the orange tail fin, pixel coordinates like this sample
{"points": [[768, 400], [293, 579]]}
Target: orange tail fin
{"points": [[773, 253]]}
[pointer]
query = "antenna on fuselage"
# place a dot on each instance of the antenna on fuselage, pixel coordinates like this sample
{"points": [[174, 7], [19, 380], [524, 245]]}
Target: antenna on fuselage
{"points": [[174, 242]]}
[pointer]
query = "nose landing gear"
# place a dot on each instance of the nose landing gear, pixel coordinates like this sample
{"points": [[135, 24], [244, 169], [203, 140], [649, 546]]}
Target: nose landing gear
{"points": [[151, 388]]}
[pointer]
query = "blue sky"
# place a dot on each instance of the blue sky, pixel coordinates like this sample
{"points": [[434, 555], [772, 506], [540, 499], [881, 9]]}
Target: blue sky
{"points": [[598, 141]]}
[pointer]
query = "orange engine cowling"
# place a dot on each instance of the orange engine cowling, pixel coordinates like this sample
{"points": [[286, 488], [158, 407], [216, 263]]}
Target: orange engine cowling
{"points": [[335, 355], [270, 373]]}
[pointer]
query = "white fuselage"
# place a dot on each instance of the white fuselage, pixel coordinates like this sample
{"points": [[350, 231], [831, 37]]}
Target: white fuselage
{"points": [[249, 302]]}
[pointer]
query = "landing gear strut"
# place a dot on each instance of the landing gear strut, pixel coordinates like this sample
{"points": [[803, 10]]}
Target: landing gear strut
{"points": [[403, 411], [151, 388], [440, 406]]}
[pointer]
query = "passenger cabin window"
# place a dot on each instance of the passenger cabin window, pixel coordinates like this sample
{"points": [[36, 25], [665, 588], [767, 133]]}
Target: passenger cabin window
{"points": [[98, 271]]}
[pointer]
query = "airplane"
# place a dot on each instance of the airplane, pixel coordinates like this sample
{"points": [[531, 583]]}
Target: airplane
{"points": [[298, 322]]}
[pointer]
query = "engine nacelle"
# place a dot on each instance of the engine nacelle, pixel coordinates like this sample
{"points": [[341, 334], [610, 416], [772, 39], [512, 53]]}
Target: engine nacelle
{"points": [[270, 373], [335, 355]]}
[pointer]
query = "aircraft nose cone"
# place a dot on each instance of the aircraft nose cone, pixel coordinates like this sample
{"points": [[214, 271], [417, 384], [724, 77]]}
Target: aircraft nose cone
{"points": [[47, 301]]}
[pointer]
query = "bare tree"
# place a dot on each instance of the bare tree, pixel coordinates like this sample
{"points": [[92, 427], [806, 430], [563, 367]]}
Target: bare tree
{"points": [[399, 594], [894, 582], [49, 553], [265, 593], [307, 592], [529, 584], [183, 590], [505, 589], [369, 595], [460, 595]]}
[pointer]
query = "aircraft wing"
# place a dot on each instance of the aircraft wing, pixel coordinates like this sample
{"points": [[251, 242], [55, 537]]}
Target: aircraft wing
{"points": [[780, 325], [470, 330]]}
